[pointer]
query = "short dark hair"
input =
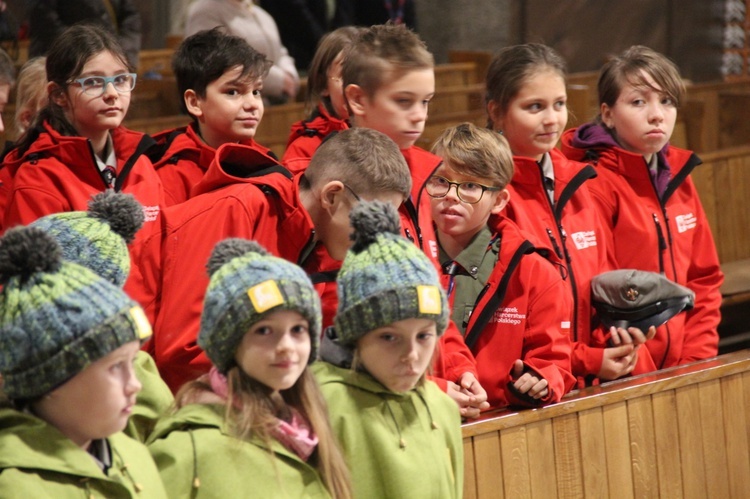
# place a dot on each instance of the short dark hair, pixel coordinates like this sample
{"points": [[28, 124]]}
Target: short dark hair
{"points": [[205, 56]]}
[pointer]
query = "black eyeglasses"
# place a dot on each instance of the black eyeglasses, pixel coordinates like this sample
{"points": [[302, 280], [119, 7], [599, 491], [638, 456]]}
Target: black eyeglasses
{"points": [[468, 192], [351, 191], [96, 85]]}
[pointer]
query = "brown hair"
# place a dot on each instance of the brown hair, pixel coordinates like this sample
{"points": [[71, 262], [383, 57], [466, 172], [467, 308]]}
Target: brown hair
{"points": [[249, 411], [380, 52], [365, 160], [478, 152], [512, 66], [330, 46], [632, 67]]}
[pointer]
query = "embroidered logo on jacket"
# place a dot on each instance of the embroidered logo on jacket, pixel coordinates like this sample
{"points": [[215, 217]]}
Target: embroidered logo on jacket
{"points": [[584, 239], [508, 315], [685, 222], [150, 213]]}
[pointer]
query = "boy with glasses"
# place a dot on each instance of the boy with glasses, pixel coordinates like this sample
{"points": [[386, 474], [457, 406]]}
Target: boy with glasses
{"points": [[508, 301]]}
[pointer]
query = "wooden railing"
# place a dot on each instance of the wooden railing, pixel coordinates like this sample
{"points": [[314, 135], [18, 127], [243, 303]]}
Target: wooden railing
{"points": [[681, 432]]}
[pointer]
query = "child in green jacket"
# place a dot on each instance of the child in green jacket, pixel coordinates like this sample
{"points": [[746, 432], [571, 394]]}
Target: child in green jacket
{"points": [[401, 434], [68, 341], [256, 425]]}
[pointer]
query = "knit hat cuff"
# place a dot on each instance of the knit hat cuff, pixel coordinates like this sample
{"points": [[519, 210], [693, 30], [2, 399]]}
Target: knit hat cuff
{"points": [[389, 306], [222, 332], [129, 324]]}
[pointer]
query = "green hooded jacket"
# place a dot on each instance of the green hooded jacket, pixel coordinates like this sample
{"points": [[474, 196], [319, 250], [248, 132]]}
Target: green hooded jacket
{"points": [[396, 444], [37, 461], [152, 401], [199, 458]]}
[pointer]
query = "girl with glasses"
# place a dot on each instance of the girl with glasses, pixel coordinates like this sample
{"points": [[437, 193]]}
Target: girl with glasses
{"points": [[504, 297], [77, 147]]}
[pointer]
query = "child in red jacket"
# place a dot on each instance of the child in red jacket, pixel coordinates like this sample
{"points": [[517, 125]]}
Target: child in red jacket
{"points": [[325, 100], [77, 146], [648, 201], [551, 201], [220, 79], [509, 302], [389, 80]]}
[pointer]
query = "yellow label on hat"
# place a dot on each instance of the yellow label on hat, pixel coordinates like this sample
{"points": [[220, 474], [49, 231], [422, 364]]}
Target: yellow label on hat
{"points": [[265, 296], [429, 300], [142, 325]]}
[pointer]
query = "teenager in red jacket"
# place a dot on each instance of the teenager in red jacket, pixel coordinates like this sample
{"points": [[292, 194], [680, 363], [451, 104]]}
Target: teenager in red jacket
{"points": [[77, 147], [325, 100], [220, 79], [648, 200], [247, 194], [550, 200], [389, 79], [510, 303]]}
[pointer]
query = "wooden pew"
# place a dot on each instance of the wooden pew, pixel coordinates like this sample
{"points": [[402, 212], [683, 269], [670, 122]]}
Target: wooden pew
{"points": [[681, 432], [157, 61]]}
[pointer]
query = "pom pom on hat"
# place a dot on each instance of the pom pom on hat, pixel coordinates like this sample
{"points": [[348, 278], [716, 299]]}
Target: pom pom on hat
{"points": [[247, 283], [56, 317], [384, 278], [97, 238]]}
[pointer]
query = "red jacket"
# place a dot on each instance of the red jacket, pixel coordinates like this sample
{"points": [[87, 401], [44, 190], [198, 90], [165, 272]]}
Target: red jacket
{"points": [[454, 357], [245, 193], [307, 135], [59, 173], [530, 323], [183, 160], [574, 237], [670, 235]]}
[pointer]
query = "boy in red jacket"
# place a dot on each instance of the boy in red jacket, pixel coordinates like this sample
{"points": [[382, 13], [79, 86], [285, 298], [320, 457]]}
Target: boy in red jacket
{"points": [[247, 194], [505, 298], [389, 80], [220, 78]]}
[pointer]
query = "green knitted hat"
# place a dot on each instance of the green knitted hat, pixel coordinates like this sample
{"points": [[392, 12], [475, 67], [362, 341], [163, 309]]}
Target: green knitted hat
{"points": [[98, 238], [384, 278], [247, 283], [56, 317]]}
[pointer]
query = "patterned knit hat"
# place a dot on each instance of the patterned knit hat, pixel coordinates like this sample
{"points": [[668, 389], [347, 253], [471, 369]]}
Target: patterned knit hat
{"points": [[384, 278], [56, 317], [98, 238], [247, 283]]}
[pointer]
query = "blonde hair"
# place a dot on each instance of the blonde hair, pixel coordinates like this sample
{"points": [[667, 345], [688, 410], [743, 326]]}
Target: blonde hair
{"points": [[477, 152], [382, 52], [31, 92], [249, 411], [329, 48]]}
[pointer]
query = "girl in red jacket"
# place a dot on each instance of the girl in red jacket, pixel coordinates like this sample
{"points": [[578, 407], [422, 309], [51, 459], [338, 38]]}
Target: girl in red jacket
{"points": [[76, 147], [325, 100], [509, 302], [550, 200], [649, 202]]}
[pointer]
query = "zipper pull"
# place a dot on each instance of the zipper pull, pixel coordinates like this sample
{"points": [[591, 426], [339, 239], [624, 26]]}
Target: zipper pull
{"points": [[660, 234], [408, 235], [554, 244]]}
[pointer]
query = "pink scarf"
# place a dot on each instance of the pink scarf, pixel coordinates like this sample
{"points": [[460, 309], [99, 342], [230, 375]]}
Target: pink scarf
{"points": [[296, 436]]}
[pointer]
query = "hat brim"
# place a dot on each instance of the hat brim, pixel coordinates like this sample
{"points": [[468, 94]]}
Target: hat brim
{"points": [[654, 314]]}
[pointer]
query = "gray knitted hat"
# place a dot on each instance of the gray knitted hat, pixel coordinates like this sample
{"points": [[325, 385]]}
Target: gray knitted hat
{"points": [[98, 238], [56, 317], [247, 283], [384, 278]]}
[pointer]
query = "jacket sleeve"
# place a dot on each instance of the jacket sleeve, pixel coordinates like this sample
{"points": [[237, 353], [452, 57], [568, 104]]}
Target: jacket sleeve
{"points": [[453, 358], [27, 204], [704, 277]]}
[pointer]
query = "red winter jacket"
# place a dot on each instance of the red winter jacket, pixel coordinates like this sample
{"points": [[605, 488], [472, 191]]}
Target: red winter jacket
{"points": [[245, 193], [59, 173], [307, 135], [454, 357], [183, 160], [531, 322], [575, 238], [670, 235]]}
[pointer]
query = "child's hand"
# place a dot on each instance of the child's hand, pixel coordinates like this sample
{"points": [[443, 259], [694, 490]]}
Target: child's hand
{"points": [[528, 382], [620, 336], [470, 386], [470, 405], [618, 361]]}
